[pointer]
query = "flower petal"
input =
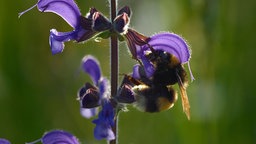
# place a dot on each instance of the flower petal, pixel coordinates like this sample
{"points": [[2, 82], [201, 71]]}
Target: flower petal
{"points": [[108, 113], [100, 23], [105, 122], [135, 41], [90, 99], [136, 71], [4, 141], [67, 9], [57, 40], [126, 94], [84, 89], [88, 112], [91, 66], [121, 23], [171, 43], [148, 67], [126, 10], [59, 136], [104, 88], [102, 131]]}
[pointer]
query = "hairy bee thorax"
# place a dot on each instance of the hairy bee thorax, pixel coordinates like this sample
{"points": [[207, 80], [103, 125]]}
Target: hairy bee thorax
{"points": [[168, 69]]}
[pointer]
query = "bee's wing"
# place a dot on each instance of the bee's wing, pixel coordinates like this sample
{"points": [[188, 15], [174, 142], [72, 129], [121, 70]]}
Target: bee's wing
{"points": [[184, 97]]}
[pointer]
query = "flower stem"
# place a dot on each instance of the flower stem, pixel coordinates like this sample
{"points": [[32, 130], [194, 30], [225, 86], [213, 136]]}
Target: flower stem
{"points": [[114, 66], [114, 53]]}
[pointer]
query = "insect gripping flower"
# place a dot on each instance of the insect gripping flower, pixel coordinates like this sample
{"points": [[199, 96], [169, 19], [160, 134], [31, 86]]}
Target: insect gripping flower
{"points": [[139, 44], [149, 87], [161, 58], [84, 27], [168, 42]]}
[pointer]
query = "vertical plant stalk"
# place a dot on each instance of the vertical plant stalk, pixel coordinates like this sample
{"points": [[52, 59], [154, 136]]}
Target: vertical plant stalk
{"points": [[114, 53], [114, 66]]}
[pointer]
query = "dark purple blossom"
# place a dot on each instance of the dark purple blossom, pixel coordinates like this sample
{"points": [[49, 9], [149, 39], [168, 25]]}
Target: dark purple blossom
{"points": [[4, 141], [93, 96], [84, 27]]}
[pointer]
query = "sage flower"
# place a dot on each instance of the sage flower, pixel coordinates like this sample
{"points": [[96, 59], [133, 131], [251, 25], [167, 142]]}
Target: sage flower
{"points": [[56, 137], [95, 96], [140, 44], [105, 122], [84, 27], [167, 42]]}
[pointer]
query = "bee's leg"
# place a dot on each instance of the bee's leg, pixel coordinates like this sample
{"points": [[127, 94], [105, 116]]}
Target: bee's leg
{"points": [[184, 97]]}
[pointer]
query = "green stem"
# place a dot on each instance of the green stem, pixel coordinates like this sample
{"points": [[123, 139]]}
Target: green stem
{"points": [[114, 66]]}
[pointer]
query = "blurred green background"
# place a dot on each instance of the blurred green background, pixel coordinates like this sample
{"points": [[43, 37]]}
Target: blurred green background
{"points": [[38, 90]]}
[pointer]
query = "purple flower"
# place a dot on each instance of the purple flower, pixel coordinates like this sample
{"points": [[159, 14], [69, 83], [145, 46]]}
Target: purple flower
{"points": [[167, 42], [139, 44], [171, 43], [93, 96], [4, 141], [56, 137], [84, 27], [105, 122], [59, 136]]}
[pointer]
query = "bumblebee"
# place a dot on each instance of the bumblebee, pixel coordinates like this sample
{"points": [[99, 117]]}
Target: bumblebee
{"points": [[147, 98], [156, 93]]}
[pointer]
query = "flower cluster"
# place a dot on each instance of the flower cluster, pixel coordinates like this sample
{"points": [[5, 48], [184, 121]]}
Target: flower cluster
{"points": [[150, 85]]}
